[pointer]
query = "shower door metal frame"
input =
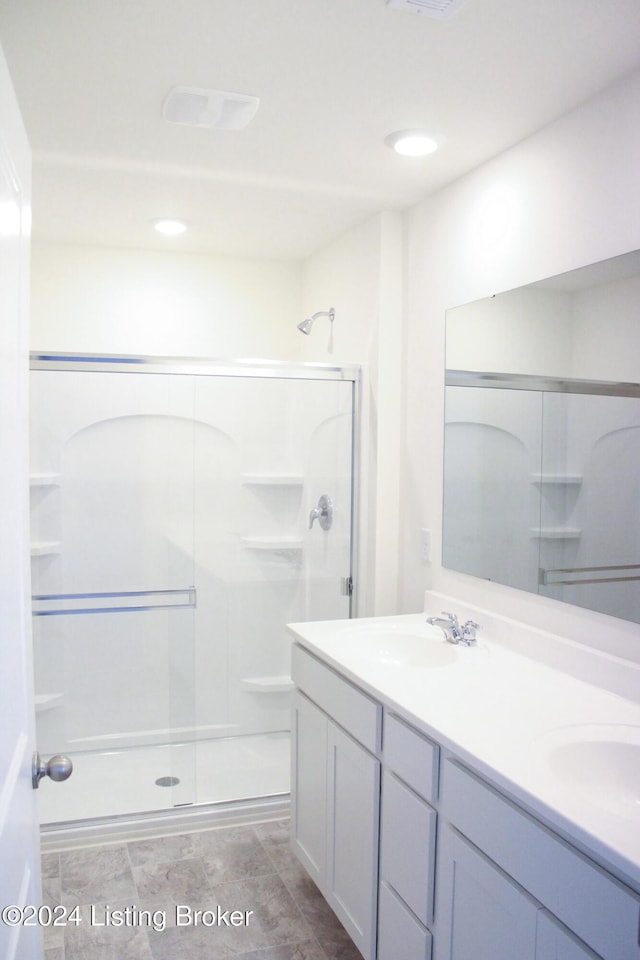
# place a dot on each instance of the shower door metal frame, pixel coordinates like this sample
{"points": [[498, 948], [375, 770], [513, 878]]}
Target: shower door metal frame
{"points": [[132, 363]]}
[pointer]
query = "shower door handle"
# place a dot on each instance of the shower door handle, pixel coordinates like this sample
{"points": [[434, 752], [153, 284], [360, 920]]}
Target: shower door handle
{"points": [[58, 768], [323, 513]]}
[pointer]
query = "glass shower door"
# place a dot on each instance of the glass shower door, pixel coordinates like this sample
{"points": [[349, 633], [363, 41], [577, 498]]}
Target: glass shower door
{"points": [[182, 515], [267, 450], [113, 585]]}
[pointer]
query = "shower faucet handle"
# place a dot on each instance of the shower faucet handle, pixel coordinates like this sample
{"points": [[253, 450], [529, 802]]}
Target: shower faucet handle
{"points": [[323, 513]]}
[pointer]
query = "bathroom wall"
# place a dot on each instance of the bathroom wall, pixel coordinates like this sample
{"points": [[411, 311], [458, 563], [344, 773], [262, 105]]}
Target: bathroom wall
{"points": [[563, 198], [361, 275], [109, 300]]}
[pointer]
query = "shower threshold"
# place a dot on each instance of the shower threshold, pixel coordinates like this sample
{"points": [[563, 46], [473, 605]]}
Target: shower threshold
{"points": [[118, 783]]}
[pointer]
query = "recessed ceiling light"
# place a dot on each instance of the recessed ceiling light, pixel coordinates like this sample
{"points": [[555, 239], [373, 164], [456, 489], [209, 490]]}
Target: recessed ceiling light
{"points": [[170, 228], [411, 143]]}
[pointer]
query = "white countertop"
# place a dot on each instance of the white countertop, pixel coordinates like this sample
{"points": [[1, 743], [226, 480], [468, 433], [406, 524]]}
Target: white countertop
{"points": [[505, 714]]}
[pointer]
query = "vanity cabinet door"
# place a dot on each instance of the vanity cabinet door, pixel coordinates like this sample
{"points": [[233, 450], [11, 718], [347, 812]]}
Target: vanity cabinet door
{"points": [[398, 930], [555, 942], [483, 914], [353, 789], [335, 800], [309, 786], [407, 846]]}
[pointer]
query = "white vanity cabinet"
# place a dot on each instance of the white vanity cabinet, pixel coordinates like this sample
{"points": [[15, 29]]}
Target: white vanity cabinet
{"points": [[421, 857], [335, 793], [508, 887], [375, 864]]}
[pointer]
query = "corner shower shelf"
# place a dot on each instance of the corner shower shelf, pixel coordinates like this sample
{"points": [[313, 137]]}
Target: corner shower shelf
{"points": [[557, 533], [560, 479], [44, 479], [273, 479], [45, 701], [268, 684], [272, 543], [45, 548]]}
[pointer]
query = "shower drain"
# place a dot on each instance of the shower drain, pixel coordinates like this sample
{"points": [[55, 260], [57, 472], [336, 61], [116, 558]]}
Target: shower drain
{"points": [[167, 781]]}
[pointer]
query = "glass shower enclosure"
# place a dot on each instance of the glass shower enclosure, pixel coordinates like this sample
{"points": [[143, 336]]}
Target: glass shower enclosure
{"points": [[182, 513]]}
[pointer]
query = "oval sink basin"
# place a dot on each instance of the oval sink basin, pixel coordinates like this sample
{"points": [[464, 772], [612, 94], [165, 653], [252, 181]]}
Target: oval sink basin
{"points": [[602, 761], [395, 645]]}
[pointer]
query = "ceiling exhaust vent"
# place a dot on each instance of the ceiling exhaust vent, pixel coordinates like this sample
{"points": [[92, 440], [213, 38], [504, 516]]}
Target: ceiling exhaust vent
{"points": [[196, 107], [438, 9]]}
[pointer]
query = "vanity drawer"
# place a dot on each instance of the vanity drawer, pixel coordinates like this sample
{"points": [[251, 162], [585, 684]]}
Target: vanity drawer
{"points": [[352, 709], [397, 926], [412, 756], [407, 846], [597, 907]]}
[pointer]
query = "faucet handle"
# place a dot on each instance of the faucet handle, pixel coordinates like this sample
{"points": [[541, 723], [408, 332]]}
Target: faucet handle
{"points": [[469, 631], [456, 631]]}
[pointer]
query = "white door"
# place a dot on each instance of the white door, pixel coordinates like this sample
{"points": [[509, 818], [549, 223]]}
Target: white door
{"points": [[19, 850]]}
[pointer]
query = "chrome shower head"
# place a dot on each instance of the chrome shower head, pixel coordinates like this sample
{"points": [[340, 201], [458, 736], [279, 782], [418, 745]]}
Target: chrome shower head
{"points": [[305, 326]]}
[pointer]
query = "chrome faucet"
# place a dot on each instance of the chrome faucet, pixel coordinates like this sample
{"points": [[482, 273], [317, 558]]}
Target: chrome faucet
{"points": [[449, 626], [453, 632]]}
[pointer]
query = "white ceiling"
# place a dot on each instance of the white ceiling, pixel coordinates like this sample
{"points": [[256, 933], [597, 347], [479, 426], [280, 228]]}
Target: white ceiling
{"points": [[333, 76]]}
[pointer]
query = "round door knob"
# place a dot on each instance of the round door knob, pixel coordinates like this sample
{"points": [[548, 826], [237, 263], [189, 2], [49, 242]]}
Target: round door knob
{"points": [[57, 768]]}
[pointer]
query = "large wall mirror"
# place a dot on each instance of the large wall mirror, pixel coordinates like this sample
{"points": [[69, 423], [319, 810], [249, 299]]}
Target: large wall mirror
{"points": [[542, 438]]}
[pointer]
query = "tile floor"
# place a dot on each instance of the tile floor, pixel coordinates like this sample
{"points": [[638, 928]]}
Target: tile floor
{"points": [[239, 868]]}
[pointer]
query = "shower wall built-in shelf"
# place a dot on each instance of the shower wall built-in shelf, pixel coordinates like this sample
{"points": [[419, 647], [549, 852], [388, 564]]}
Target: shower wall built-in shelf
{"points": [[289, 485], [556, 533], [272, 480], [45, 548], [44, 479], [557, 479], [556, 487], [282, 684], [272, 543], [45, 701]]}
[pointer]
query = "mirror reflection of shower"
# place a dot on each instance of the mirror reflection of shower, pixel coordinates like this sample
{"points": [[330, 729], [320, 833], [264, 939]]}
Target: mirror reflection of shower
{"points": [[305, 326]]}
